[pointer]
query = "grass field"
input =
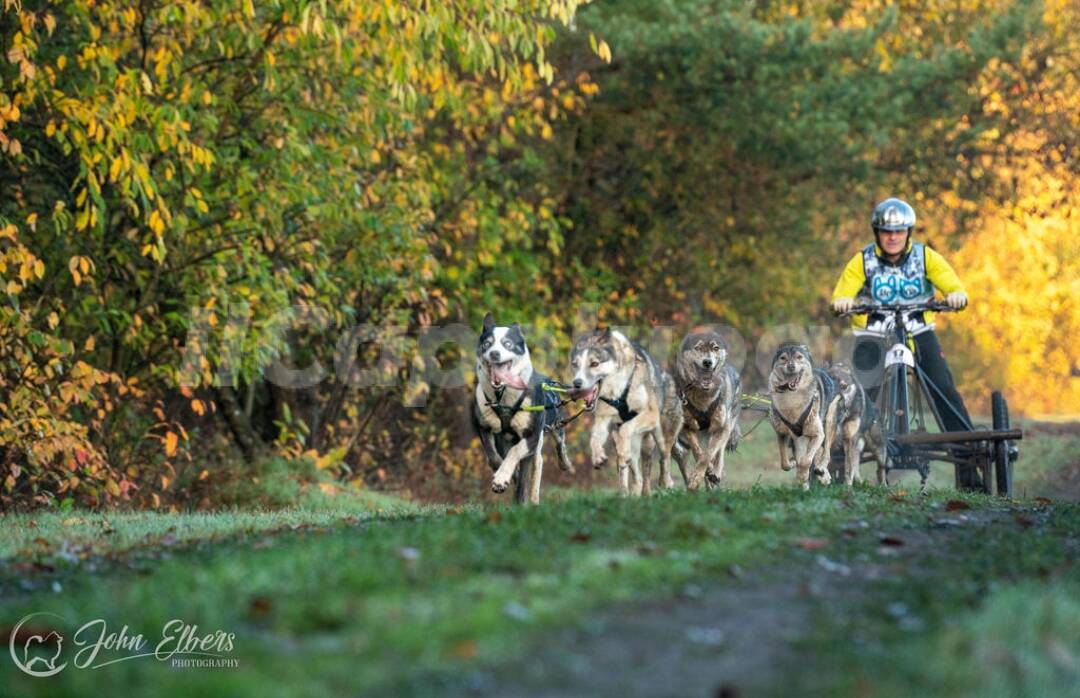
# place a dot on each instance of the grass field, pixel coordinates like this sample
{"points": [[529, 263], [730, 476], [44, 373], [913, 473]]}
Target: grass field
{"points": [[940, 594]]}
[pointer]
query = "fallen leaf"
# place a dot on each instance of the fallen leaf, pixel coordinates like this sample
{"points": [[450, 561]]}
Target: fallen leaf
{"points": [[1043, 501], [811, 543], [260, 606], [956, 505], [891, 540], [581, 537], [466, 649]]}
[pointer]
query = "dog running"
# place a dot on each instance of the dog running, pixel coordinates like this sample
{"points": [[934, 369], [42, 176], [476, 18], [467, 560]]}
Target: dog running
{"points": [[635, 402], [803, 398], [710, 391], [512, 434]]}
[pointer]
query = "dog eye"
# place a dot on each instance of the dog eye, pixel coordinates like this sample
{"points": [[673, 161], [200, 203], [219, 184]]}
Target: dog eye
{"points": [[594, 363]]}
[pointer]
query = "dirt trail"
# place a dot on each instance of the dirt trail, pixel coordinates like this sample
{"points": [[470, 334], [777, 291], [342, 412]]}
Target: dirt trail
{"points": [[739, 637]]}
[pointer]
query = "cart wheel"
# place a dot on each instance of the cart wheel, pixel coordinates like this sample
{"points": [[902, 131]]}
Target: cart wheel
{"points": [[1003, 467]]}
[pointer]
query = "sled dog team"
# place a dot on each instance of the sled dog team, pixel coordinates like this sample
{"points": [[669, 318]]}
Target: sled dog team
{"points": [[650, 413]]}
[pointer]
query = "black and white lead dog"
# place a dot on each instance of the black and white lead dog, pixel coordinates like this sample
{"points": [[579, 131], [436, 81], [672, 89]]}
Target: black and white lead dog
{"points": [[511, 435]]}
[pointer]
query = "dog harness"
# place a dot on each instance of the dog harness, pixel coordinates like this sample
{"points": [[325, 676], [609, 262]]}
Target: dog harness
{"points": [[619, 403], [545, 401], [826, 391], [703, 419], [505, 413]]}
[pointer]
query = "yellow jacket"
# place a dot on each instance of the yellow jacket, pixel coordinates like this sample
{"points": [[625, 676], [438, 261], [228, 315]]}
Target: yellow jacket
{"points": [[938, 271]]}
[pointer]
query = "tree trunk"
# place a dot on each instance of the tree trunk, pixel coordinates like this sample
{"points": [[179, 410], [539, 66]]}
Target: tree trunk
{"points": [[246, 437]]}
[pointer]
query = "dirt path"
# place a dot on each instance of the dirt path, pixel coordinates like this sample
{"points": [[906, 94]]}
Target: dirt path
{"points": [[745, 636]]}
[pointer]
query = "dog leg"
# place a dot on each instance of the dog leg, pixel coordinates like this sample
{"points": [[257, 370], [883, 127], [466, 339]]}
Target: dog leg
{"points": [[786, 462], [697, 473], [560, 449], [805, 451], [663, 449], [501, 479], [624, 453], [811, 454], [852, 450], [598, 439], [860, 444], [718, 445], [678, 451], [537, 469], [821, 466], [487, 442], [645, 458], [637, 480]]}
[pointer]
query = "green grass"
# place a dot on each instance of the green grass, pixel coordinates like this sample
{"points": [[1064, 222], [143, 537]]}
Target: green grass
{"points": [[994, 613], [351, 595], [58, 537], [370, 608]]}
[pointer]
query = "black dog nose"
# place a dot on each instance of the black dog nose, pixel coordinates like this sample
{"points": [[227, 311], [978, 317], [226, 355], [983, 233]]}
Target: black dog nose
{"points": [[707, 363], [578, 382], [496, 356]]}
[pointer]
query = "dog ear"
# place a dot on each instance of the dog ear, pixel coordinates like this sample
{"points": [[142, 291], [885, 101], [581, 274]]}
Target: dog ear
{"points": [[489, 321], [605, 333], [516, 327]]}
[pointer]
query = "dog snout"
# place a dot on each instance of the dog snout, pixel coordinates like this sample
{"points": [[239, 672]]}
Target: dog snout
{"points": [[707, 363], [578, 383], [790, 369], [496, 357]]}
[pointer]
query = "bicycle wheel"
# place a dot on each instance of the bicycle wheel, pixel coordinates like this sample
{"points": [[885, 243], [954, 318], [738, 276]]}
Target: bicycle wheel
{"points": [[1003, 467]]}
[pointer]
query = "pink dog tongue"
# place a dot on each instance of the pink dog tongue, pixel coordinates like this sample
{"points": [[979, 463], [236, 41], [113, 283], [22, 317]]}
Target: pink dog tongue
{"points": [[504, 375]]}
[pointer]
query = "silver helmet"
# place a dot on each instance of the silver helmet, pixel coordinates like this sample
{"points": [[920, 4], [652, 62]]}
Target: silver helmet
{"points": [[893, 214]]}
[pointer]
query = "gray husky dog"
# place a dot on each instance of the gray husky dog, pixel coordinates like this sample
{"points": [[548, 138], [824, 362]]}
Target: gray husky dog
{"points": [[639, 403], [507, 384], [710, 390], [853, 422], [803, 398]]}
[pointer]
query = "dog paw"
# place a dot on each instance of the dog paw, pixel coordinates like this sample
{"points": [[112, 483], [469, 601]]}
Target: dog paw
{"points": [[712, 477], [599, 462], [567, 468], [498, 486], [788, 464], [823, 476]]}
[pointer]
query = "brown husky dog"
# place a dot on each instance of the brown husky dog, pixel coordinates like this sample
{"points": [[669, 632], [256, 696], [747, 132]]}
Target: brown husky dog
{"points": [[803, 398], [710, 390], [639, 403]]}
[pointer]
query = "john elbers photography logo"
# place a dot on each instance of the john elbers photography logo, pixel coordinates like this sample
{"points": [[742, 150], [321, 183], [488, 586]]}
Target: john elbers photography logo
{"points": [[44, 644]]}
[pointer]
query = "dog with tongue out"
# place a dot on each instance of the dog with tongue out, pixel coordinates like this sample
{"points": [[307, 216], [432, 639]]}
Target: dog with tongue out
{"points": [[513, 410]]}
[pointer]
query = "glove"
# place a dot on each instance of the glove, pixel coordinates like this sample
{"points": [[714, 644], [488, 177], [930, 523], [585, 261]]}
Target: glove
{"points": [[842, 305], [957, 300]]}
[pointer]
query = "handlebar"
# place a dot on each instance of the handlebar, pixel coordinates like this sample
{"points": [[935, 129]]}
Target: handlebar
{"points": [[935, 306]]}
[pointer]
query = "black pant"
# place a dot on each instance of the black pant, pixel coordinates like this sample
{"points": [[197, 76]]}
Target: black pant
{"points": [[868, 360]]}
